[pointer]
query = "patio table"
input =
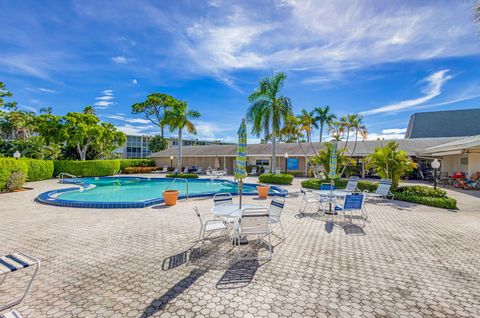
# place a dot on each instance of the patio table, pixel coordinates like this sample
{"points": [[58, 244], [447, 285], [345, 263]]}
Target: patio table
{"points": [[233, 211], [331, 196]]}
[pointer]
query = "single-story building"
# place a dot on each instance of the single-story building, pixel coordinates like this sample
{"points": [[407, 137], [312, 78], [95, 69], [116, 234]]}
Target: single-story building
{"points": [[459, 155], [223, 156]]}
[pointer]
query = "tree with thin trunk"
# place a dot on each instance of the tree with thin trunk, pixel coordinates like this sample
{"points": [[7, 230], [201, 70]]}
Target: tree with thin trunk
{"points": [[155, 108], [323, 117], [269, 110], [179, 117], [307, 123]]}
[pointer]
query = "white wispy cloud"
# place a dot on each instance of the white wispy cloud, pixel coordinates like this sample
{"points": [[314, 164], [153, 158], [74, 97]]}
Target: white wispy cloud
{"points": [[434, 88], [394, 131], [135, 130], [47, 90], [120, 60], [122, 117], [106, 100]]}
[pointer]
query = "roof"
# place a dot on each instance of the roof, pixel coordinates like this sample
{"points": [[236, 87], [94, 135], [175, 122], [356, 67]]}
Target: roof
{"points": [[412, 146], [450, 123], [458, 145]]}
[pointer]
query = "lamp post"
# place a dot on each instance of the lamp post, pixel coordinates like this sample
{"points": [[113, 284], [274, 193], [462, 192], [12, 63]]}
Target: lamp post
{"points": [[171, 162], [435, 165], [286, 162], [16, 155]]}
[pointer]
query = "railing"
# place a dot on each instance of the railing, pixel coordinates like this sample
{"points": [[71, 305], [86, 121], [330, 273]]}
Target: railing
{"points": [[62, 176], [182, 179]]}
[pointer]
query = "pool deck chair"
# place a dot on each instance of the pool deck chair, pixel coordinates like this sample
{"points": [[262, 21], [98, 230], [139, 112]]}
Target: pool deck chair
{"points": [[207, 227], [254, 171], [309, 198], [254, 221], [351, 186], [222, 198], [11, 314], [12, 263], [353, 203], [382, 192], [275, 213]]}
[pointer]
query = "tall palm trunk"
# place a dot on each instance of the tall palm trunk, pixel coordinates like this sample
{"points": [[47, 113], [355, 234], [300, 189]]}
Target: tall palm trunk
{"points": [[179, 156], [321, 132], [274, 153]]}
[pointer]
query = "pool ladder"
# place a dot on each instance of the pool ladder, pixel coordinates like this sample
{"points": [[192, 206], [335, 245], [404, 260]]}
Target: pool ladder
{"points": [[182, 179], [62, 176]]}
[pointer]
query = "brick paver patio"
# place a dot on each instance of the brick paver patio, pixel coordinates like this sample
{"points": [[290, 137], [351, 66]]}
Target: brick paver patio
{"points": [[412, 261]]}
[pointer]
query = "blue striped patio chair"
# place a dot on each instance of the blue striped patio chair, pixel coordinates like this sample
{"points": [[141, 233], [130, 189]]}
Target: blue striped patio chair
{"points": [[353, 203], [12, 263], [327, 186], [275, 214]]}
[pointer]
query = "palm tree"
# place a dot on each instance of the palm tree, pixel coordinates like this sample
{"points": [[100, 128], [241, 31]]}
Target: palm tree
{"points": [[291, 129], [307, 123], [391, 163], [89, 110], [46, 110], [359, 128], [323, 117], [268, 110], [179, 117]]}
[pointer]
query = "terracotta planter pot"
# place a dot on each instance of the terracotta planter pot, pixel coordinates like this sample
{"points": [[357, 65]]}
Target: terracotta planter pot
{"points": [[263, 191], [170, 197]]}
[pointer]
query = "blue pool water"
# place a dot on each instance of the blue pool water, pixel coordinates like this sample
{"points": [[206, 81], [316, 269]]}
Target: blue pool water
{"points": [[129, 192]]}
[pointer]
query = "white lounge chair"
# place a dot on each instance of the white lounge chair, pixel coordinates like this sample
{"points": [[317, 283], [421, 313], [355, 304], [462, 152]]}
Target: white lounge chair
{"points": [[207, 227], [199, 170], [266, 170], [254, 171], [11, 263], [165, 169], [185, 170], [175, 170], [351, 186], [275, 213], [254, 221], [278, 171], [382, 192], [222, 198]]}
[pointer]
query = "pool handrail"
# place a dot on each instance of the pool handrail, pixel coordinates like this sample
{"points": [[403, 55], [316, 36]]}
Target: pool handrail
{"points": [[62, 175], [183, 179]]}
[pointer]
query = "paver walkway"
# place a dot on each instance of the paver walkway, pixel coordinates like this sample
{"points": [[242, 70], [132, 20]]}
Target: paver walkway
{"points": [[412, 261]]}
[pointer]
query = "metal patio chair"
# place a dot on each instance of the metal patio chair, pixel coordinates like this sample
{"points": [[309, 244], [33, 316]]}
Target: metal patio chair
{"points": [[256, 222]]}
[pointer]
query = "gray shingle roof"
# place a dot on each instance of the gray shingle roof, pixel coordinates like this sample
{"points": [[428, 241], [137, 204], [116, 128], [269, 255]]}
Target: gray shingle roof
{"points": [[412, 146], [459, 144], [451, 123]]}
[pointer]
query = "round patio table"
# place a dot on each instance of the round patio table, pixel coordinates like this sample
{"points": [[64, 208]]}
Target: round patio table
{"points": [[331, 196], [233, 211]]}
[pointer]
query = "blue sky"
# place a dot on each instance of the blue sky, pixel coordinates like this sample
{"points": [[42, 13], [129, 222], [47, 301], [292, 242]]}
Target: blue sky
{"points": [[383, 59]]}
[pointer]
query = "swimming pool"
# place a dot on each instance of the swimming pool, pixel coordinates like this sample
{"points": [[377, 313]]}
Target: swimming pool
{"points": [[139, 192]]}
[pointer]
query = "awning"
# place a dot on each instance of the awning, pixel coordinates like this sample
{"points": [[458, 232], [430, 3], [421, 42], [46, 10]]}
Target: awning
{"points": [[447, 153]]}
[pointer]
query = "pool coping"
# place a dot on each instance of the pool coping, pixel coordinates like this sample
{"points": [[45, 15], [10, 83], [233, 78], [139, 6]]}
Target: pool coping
{"points": [[50, 197]]}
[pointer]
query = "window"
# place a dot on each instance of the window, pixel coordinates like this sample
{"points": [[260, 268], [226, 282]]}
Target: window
{"points": [[464, 161], [262, 162]]}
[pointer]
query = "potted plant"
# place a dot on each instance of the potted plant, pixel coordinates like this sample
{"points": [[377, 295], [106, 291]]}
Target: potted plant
{"points": [[170, 197], [263, 191]]}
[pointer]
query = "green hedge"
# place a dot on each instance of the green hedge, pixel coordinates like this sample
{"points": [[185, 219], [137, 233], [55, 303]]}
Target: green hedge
{"points": [[39, 169], [275, 178], [426, 196], [182, 175], [88, 168], [7, 167], [126, 163], [340, 184]]}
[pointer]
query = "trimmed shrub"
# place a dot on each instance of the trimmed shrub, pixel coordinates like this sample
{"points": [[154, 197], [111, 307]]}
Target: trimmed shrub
{"points": [[39, 169], [426, 196], [16, 181], [182, 175], [7, 167], [88, 168], [275, 178], [129, 170], [438, 202], [126, 163], [315, 183], [367, 185]]}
